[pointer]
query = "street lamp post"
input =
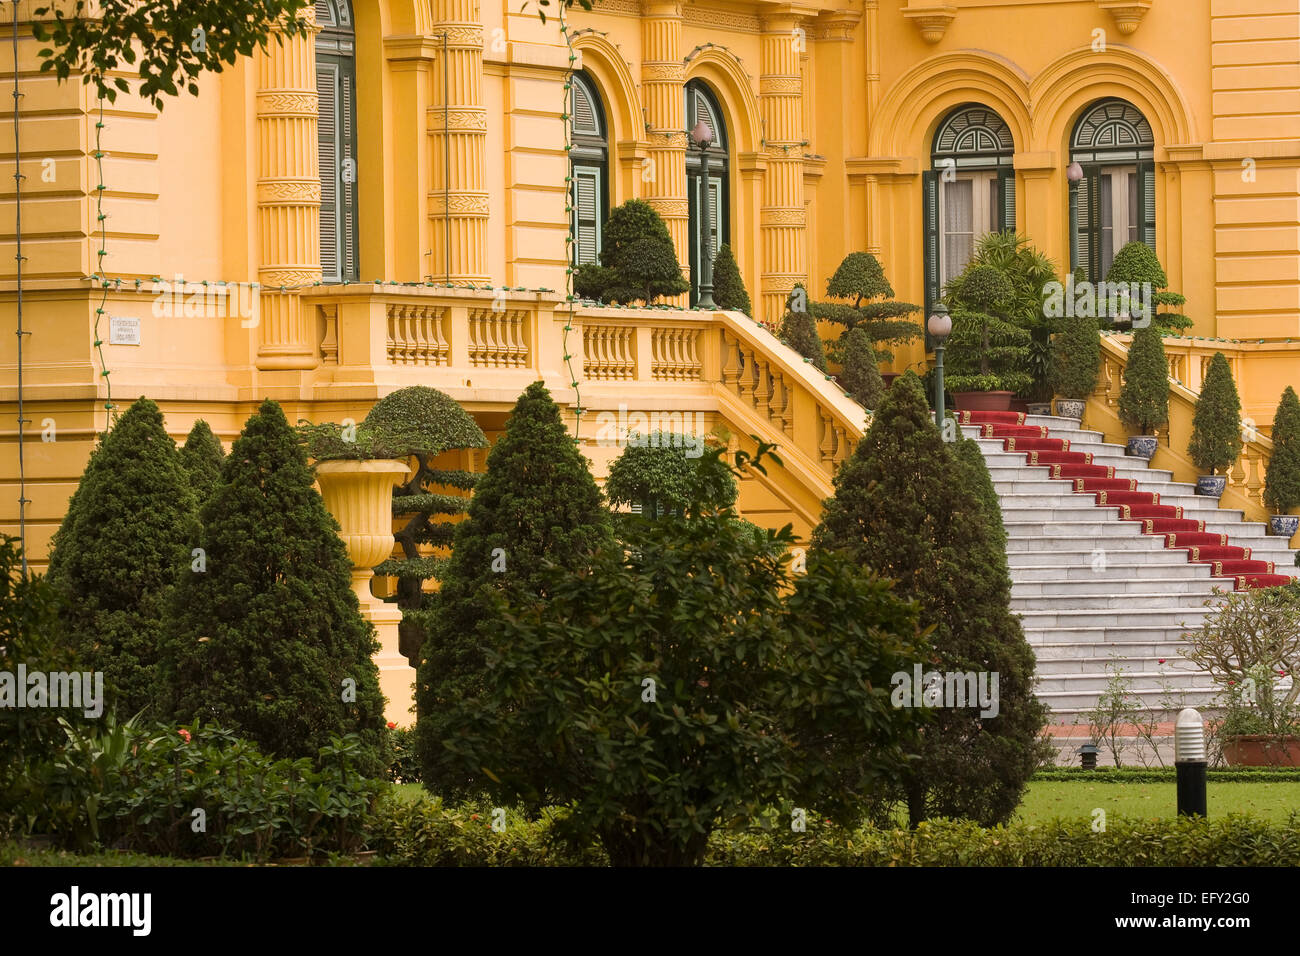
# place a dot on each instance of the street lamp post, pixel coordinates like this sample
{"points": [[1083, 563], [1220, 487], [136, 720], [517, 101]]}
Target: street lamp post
{"points": [[702, 136], [940, 325]]}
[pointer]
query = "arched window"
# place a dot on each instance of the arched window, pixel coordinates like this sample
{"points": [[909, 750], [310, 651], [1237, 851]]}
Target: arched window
{"points": [[707, 180], [1115, 201], [588, 168], [969, 190], [336, 84]]}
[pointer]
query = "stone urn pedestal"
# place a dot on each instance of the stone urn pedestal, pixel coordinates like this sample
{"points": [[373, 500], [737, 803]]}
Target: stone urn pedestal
{"points": [[359, 494]]}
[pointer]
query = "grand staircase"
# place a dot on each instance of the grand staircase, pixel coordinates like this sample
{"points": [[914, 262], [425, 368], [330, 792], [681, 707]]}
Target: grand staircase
{"points": [[1113, 561]]}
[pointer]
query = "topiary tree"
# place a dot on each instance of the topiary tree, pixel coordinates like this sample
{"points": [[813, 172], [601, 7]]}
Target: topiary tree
{"points": [[637, 260], [1144, 397], [1282, 480], [628, 697], [859, 373], [201, 457], [799, 328], [866, 299], [969, 457], [661, 473], [1216, 426], [906, 508], [1076, 358], [265, 637], [728, 287], [986, 352], [1136, 264], [125, 538], [537, 502]]}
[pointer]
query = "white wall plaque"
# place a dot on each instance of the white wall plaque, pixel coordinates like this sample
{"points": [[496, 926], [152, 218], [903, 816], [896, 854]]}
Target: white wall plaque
{"points": [[123, 330]]}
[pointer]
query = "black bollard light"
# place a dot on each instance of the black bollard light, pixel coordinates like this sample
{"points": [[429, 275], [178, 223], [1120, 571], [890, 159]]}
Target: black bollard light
{"points": [[1088, 756], [1189, 763]]}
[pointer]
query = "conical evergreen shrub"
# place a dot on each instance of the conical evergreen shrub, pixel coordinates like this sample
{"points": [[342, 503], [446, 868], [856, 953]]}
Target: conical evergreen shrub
{"points": [[266, 636], [728, 287], [1076, 358], [1216, 426], [859, 373], [127, 534], [906, 508], [1282, 481], [536, 503], [1144, 396], [201, 456], [799, 329]]}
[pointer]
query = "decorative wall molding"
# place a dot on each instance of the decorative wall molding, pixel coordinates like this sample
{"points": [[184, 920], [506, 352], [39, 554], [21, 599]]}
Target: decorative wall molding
{"points": [[473, 205], [1126, 13], [729, 20], [288, 192], [932, 20], [287, 103]]}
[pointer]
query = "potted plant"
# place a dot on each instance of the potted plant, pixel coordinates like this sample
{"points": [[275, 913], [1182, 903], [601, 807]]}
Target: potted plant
{"points": [[1144, 397], [1250, 648], [986, 352], [1216, 428], [1282, 480], [1076, 359], [867, 302]]}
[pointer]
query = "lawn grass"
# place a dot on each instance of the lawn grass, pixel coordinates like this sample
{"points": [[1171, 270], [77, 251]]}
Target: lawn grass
{"points": [[1045, 799]]}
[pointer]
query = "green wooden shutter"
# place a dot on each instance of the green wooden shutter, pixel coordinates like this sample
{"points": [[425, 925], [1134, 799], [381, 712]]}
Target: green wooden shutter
{"points": [[715, 217], [327, 145], [1085, 215], [1146, 211], [586, 214], [930, 243], [348, 225], [1006, 200]]}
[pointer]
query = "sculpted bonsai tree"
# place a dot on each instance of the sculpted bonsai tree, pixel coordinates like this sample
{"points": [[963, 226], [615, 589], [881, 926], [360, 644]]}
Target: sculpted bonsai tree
{"points": [[1136, 264], [865, 299]]}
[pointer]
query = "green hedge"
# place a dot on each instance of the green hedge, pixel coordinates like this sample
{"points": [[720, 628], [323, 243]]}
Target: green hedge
{"points": [[426, 833], [1167, 774]]}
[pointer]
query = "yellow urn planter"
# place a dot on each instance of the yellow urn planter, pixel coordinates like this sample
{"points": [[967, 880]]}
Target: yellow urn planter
{"points": [[359, 494]]}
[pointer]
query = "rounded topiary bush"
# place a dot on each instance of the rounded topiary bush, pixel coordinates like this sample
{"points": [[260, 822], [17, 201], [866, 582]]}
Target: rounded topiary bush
{"points": [[637, 258], [659, 472]]}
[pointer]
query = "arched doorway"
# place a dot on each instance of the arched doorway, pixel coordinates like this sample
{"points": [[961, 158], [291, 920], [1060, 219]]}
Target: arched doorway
{"points": [[1115, 201]]}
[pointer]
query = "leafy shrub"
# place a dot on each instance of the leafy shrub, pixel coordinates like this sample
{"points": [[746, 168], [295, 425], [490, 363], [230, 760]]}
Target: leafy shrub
{"points": [[1076, 358], [657, 472], [986, 351], [1282, 481], [799, 329], [865, 300], [637, 260], [1216, 426], [728, 287], [1144, 396], [859, 373], [137, 788], [1136, 262], [404, 765], [117, 556]]}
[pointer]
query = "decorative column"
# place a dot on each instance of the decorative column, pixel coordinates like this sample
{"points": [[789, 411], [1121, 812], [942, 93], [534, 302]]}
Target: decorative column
{"points": [[458, 202], [782, 217], [288, 196], [663, 80], [359, 494]]}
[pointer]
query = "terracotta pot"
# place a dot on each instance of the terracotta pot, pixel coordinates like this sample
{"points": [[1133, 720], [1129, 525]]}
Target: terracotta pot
{"points": [[1260, 750], [889, 378], [983, 401]]}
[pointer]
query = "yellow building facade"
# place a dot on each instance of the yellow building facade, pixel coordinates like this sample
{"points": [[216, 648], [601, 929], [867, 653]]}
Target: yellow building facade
{"points": [[396, 197]]}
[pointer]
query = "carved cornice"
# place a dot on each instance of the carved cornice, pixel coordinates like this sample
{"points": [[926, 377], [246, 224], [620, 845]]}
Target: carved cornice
{"points": [[729, 20], [1126, 13], [838, 26], [932, 21], [398, 49]]}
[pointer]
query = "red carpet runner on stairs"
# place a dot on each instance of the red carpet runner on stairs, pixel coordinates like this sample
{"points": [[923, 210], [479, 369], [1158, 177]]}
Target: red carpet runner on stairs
{"points": [[1106, 491]]}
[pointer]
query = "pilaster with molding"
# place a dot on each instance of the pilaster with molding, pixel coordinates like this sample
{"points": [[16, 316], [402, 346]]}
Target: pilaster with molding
{"points": [[663, 80], [458, 198], [288, 196], [782, 217]]}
